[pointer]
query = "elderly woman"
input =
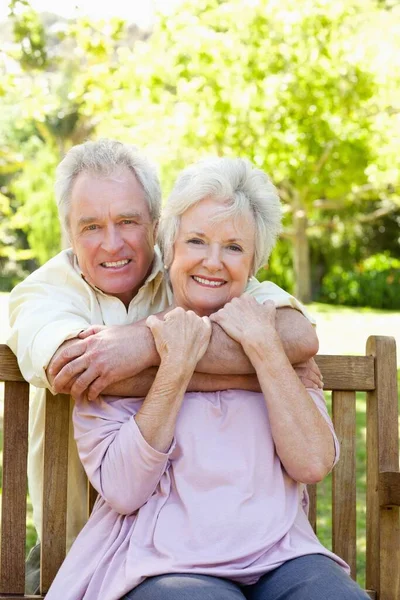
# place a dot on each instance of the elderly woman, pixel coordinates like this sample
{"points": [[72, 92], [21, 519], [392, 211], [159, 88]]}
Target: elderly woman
{"points": [[202, 495]]}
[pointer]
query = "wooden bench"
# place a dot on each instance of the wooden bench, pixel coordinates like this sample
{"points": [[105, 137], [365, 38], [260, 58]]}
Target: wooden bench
{"points": [[374, 373]]}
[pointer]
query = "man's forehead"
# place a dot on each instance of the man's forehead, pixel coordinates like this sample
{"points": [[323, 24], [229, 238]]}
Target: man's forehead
{"points": [[120, 175]]}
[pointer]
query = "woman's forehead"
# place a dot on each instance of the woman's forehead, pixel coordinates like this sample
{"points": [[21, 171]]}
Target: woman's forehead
{"points": [[210, 214]]}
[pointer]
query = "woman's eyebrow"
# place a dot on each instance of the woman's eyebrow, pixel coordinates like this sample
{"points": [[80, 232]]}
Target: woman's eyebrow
{"points": [[199, 233], [237, 239]]}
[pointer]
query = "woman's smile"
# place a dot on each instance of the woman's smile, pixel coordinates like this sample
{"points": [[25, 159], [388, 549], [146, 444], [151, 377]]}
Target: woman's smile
{"points": [[208, 282], [213, 257]]}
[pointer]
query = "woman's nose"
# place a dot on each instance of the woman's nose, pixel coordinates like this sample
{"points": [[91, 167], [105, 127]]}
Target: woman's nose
{"points": [[213, 259]]}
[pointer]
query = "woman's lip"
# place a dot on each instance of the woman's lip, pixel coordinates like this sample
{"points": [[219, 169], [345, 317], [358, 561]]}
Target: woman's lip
{"points": [[208, 280]]}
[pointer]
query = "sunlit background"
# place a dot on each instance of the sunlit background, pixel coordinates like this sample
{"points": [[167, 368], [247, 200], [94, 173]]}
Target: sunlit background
{"points": [[308, 90]]}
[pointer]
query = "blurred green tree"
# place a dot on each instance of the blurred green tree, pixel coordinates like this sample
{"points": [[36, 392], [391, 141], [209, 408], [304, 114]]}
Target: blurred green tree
{"points": [[286, 84], [57, 96], [308, 91]]}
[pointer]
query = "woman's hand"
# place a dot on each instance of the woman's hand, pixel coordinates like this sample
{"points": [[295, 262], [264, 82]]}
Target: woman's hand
{"points": [[248, 322], [181, 338]]}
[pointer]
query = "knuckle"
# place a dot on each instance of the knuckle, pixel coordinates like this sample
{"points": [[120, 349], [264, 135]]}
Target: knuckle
{"points": [[67, 370]]}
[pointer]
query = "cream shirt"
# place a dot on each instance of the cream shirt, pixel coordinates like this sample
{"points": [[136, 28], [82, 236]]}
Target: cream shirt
{"points": [[53, 305]]}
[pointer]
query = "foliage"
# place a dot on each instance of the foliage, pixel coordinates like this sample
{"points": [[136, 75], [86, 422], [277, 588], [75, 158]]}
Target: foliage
{"points": [[291, 89], [374, 282], [37, 213], [45, 111], [14, 254], [308, 92], [29, 35], [279, 269]]}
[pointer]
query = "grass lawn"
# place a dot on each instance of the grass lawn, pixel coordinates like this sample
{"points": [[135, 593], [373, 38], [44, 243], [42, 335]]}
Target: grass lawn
{"points": [[341, 330]]}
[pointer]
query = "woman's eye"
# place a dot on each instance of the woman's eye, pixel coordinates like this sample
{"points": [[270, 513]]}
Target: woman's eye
{"points": [[235, 248], [195, 241]]}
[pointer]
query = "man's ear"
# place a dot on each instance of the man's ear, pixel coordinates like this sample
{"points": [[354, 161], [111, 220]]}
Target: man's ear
{"points": [[66, 239]]}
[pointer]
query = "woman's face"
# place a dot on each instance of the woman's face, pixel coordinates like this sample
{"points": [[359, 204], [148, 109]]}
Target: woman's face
{"points": [[212, 259]]}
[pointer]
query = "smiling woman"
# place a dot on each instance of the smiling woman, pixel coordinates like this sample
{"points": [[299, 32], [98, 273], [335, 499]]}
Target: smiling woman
{"points": [[211, 266]]}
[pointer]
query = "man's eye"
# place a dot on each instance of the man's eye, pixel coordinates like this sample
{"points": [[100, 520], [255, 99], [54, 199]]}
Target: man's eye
{"points": [[92, 227]]}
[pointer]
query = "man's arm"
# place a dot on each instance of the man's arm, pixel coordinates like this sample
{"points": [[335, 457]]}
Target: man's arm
{"points": [[114, 354], [224, 355], [139, 385], [50, 306]]}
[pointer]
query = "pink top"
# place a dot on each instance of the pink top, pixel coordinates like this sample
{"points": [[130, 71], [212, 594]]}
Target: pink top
{"points": [[218, 503]]}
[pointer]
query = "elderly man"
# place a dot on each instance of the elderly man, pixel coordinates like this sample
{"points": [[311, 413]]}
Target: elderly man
{"points": [[112, 276]]}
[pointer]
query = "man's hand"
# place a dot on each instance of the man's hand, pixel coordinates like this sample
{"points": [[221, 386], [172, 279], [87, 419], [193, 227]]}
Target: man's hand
{"points": [[92, 364], [56, 359], [309, 374]]}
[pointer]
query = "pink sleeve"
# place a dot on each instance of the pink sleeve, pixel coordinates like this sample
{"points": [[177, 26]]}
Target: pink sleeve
{"points": [[118, 461], [318, 397]]}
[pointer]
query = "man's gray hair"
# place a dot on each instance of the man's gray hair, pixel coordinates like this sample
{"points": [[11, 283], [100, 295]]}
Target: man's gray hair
{"points": [[234, 181], [104, 158]]}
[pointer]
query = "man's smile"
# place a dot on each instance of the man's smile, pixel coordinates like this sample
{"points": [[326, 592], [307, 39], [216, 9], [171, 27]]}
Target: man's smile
{"points": [[116, 264]]}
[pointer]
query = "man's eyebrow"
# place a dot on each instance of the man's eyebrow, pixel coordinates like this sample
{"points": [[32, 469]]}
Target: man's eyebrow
{"points": [[125, 215], [86, 220], [130, 215]]}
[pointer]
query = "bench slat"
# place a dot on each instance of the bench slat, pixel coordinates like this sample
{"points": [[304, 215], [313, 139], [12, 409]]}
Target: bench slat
{"points": [[389, 488], [14, 597], [9, 370], [312, 513], [344, 479], [13, 513], [353, 373], [18, 597], [341, 373], [55, 482], [384, 417]]}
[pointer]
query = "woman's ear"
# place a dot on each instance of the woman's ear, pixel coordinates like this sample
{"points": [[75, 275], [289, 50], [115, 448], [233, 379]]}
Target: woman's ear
{"points": [[155, 229]]}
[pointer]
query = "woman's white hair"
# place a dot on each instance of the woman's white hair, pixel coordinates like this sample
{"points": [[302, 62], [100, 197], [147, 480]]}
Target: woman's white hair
{"points": [[104, 158], [236, 183]]}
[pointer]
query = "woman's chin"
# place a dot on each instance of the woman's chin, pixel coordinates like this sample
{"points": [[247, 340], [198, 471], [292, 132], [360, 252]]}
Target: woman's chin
{"points": [[206, 309]]}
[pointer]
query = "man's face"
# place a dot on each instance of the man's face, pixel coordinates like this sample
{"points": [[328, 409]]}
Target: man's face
{"points": [[112, 234]]}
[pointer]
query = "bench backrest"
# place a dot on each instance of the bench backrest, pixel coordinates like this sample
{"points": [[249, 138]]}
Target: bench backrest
{"points": [[374, 373]]}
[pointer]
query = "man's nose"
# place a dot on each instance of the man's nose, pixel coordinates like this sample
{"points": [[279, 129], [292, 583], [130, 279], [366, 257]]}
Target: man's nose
{"points": [[112, 241]]}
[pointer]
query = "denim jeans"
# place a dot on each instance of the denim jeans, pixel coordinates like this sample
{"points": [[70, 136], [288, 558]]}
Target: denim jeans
{"points": [[310, 577]]}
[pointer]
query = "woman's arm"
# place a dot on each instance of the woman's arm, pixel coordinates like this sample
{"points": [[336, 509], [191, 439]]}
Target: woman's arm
{"points": [[303, 439], [125, 452], [120, 464]]}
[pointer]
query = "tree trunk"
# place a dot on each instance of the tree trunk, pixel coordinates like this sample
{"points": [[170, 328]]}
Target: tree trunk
{"points": [[301, 257]]}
